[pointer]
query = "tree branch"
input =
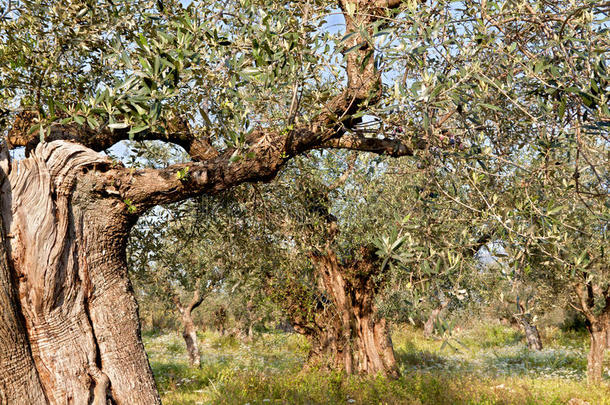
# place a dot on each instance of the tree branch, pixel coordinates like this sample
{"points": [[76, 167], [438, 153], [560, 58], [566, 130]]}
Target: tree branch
{"points": [[176, 131], [583, 301], [266, 150], [391, 147]]}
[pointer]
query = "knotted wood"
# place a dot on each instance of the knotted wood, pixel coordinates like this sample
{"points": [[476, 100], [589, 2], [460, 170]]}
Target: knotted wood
{"points": [[353, 337]]}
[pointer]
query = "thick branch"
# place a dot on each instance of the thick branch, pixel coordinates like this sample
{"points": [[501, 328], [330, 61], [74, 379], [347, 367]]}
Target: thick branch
{"points": [[196, 300], [266, 151], [177, 131], [260, 162]]}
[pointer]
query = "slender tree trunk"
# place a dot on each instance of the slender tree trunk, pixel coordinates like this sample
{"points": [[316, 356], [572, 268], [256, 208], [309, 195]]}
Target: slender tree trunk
{"points": [[595, 358], [74, 297], [429, 325], [532, 337], [598, 325], [220, 318], [353, 336], [599, 329], [190, 338], [189, 332]]}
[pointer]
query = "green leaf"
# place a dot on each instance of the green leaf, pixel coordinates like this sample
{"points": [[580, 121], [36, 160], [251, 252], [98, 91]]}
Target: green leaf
{"points": [[353, 48], [118, 125], [138, 129]]}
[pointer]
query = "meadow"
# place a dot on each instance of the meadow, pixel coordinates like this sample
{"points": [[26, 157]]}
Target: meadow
{"points": [[485, 364]]}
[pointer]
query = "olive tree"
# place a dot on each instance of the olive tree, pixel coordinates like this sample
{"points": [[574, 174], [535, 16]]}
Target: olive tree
{"points": [[243, 87]]}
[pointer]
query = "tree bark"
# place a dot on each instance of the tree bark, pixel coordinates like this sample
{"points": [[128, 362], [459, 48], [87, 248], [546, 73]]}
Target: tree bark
{"points": [[350, 335], [595, 358], [66, 248], [19, 381], [189, 332], [190, 338], [598, 326], [220, 319]]}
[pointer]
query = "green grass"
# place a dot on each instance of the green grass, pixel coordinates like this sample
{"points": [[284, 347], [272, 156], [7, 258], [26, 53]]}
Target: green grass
{"points": [[494, 368]]}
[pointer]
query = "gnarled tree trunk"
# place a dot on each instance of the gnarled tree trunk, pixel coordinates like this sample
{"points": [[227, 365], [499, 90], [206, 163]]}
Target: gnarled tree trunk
{"points": [[353, 336], [189, 332], [66, 251]]}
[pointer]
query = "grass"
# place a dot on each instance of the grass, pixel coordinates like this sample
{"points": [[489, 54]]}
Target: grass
{"points": [[491, 366]]}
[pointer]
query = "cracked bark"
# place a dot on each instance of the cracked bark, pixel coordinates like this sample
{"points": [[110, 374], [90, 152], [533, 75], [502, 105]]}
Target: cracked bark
{"points": [[19, 381]]}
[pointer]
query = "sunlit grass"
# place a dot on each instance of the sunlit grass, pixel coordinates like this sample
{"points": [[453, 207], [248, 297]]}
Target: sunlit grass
{"points": [[492, 367]]}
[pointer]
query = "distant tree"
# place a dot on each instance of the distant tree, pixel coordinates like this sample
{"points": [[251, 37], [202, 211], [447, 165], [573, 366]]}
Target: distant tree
{"points": [[172, 260]]}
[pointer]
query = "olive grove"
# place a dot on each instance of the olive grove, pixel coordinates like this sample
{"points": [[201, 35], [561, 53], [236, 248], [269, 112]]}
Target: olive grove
{"points": [[511, 97]]}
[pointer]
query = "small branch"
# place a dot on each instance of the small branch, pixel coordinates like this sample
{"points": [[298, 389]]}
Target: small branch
{"points": [[346, 173], [582, 298]]}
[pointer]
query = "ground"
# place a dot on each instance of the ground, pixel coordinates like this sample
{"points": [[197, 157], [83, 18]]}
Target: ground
{"points": [[488, 364]]}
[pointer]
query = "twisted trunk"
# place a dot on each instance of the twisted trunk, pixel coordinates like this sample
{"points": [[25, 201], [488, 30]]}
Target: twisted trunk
{"points": [[189, 332], [78, 308], [351, 335]]}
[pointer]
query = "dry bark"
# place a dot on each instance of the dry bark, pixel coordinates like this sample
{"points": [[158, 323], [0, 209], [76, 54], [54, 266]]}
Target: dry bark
{"points": [[19, 381], [66, 248]]}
